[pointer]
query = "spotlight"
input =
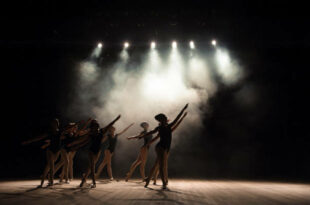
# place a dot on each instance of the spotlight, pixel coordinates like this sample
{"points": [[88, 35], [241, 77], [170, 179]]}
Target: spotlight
{"points": [[192, 45], [213, 42], [99, 45], [174, 44], [153, 45], [126, 45]]}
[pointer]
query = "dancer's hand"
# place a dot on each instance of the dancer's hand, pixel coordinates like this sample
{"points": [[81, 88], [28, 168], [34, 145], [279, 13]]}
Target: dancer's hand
{"points": [[119, 116], [132, 137]]}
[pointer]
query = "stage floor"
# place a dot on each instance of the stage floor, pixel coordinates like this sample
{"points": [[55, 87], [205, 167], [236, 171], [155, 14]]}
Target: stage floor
{"points": [[133, 192]]}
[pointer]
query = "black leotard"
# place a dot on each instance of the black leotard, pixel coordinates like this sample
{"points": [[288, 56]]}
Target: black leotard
{"points": [[55, 144], [96, 139], [165, 134], [112, 142]]}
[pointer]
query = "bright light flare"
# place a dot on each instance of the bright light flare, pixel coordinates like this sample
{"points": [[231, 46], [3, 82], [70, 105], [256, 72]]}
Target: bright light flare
{"points": [[126, 45], [228, 69], [174, 44], [222, 58], [213, 42], [192, 44], [153, 45], [97, 50]]}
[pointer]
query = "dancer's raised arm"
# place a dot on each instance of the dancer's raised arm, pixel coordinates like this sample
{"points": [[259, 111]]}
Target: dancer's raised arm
{"points": [[41, 137], [179, 122], [124, 130], [178, 117], [110, 124]]}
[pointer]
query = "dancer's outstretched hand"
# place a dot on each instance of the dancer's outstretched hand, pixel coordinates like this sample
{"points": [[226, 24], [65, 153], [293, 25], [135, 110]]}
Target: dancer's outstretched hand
{"points": [[119, 116], [185, 106]]}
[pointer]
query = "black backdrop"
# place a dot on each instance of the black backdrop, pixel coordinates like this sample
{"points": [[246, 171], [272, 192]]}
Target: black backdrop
{"points": [[42, 41]]}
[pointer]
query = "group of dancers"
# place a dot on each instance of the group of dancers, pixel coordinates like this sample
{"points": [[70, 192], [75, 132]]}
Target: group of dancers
{"points": [[67, 141]]}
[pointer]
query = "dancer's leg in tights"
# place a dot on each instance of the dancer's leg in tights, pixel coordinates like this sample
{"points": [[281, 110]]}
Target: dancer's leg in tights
{"points": [[141, 160], [106, 161], [51, 157], [93, 158]]}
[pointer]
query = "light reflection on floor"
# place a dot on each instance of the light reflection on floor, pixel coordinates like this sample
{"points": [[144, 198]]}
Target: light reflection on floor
{"points": [[179, 192]]}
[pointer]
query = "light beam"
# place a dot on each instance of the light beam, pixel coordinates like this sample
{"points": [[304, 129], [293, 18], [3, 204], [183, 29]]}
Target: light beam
{"points": [[192, 44], [174, 44]]}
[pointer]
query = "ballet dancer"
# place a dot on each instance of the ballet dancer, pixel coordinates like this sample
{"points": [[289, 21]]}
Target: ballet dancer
{"points": [[109, 151], [142, 156]]}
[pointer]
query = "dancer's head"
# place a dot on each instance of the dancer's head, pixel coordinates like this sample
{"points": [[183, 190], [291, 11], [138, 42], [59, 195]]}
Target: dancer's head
{"points": [[94, 125], [144, 125], [111, 130], [55, 124], [162, 118]]}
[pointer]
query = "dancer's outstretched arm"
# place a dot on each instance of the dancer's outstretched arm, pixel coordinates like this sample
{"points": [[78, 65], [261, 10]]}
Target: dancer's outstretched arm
{"points": [[110, 124], [48, 142], [124, 130], [135, 136], [41, 137], [179, 122], [144, 135], [178, 117]]}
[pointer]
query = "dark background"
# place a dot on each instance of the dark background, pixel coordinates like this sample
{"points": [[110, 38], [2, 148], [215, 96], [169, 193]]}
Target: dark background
{"points": [[42, 41]]}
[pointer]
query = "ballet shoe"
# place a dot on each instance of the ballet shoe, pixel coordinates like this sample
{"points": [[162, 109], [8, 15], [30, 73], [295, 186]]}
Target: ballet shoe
{"points": [[82, 182], [147, 183]]}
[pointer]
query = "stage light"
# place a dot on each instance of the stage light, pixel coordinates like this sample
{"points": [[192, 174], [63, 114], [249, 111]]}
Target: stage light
{"points": [[222, 59], [126, 45], [174, 44], [213, 42], [99, 45], [153, 45], [192, 45]]}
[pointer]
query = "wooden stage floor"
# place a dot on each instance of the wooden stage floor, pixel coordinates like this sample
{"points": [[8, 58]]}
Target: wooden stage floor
{"points": [[133, 192]]}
